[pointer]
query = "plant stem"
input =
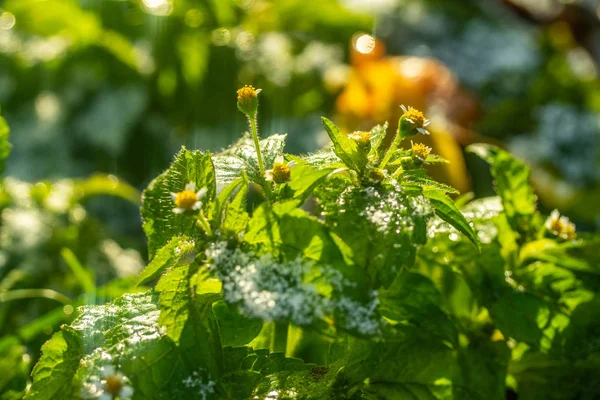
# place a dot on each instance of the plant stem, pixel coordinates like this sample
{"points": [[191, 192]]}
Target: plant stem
{"points": [[261, 165], [204, 223], [280, 336], [391, 150]]}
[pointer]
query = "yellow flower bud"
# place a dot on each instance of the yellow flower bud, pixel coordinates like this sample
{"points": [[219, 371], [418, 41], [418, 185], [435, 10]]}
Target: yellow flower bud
{"points": [[362, 139], [420, 151], [412, 122], [247, 100]]}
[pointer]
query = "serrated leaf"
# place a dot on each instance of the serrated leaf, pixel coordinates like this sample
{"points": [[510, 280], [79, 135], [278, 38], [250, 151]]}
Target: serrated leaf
{"points": [[235, 217], [5, 146], [257, 374], [174, 298], [512, 185], [377, 135], [126, 335], [54, 372], [446, 210], [170, 255], [429, 184], [436, 159], [346, 149], [320, 159], [230, 163], [159, 221], [303, 180], [223, 197]]}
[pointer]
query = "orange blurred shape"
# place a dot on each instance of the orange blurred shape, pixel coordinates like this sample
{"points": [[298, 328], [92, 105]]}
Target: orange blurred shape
{"points": [[378, 84]]}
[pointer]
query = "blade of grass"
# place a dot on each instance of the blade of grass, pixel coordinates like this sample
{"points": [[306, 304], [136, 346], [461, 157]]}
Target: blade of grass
{"points": [[19, 294], [82, 276]]}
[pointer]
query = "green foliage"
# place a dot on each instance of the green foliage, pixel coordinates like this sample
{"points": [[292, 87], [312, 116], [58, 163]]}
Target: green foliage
{"points": [[446, 210], [346, 149], [512, 185], [160, 223], [5, 146], [413, 297]]}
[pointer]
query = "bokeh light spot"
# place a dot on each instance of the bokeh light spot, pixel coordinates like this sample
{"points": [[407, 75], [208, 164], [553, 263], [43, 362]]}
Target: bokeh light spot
{"points": [[194, 18], [364, 43], [158, 7], [221, 37], [7, 20]]}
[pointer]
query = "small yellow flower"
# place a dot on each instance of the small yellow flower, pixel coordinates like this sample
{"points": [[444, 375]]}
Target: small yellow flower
{"points": [[420, 151], [416, 119], [188, 199], [561, 226], [281, 172], [247, 100]]}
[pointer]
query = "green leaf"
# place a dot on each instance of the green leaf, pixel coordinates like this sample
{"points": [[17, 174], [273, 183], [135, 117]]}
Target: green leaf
{"points": [[126, 335], [320, 159], [54, 372], [382, 226], [159, 221], [235, 329], [170, 255], [428, 184], [345, 148], [512, 185], [174, 297], [436, 159], [235, 217], [304, 179], [105, 185], [446, 210], [413, 298], [257, 374], [14, 366], [377, 135], [579, 255], [413, 391], [520, 316], [224, 196], [200, 341], [410, 357], [5, 146], [230, 162]]}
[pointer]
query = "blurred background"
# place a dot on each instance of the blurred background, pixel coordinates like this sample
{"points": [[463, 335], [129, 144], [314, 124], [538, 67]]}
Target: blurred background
{"points": [[117, 86], [99, 95]]}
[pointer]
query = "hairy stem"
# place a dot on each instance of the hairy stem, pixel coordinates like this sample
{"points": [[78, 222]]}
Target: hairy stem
{"points": [[261, 165], [391, 150]]}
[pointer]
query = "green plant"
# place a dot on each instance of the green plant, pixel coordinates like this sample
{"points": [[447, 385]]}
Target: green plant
{"points": [[344, 274]]}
